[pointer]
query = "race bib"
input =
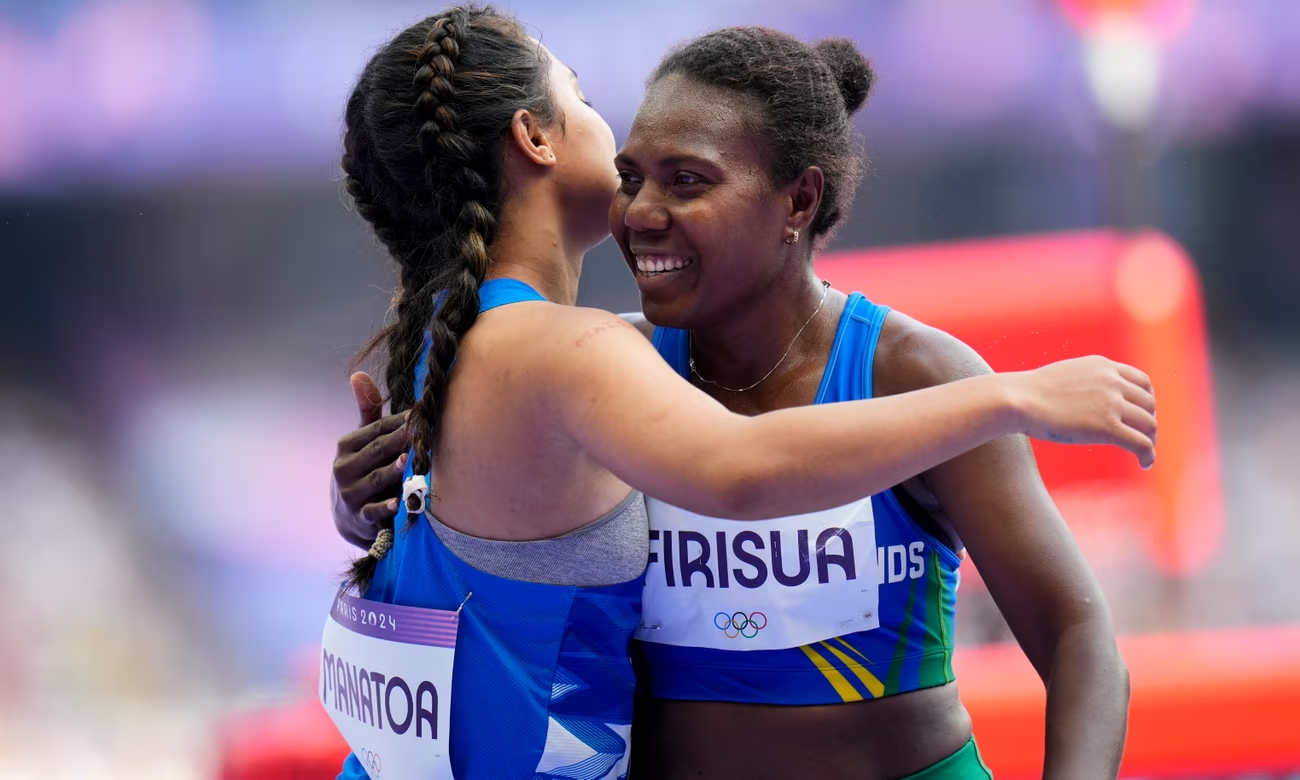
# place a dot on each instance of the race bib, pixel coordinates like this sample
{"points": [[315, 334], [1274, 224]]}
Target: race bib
{"points": [[759, 585], [385, 680]]}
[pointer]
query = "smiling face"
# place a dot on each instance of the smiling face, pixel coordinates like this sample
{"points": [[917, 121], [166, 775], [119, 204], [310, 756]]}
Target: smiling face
{"points": [[698, 217]]}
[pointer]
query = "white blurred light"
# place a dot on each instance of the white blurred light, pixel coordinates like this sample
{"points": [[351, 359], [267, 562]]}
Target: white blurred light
{"points": [[1122, 63]]}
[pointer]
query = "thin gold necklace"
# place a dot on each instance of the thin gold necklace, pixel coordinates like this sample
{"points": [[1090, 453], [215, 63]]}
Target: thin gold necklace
{"points": [[690, 351]]}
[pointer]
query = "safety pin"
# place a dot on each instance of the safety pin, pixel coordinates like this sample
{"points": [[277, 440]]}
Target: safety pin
{"points": [[462, 604]]}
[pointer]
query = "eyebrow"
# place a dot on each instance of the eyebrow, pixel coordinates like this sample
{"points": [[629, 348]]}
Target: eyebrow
{"points": [[670, 161], [575, 74]]}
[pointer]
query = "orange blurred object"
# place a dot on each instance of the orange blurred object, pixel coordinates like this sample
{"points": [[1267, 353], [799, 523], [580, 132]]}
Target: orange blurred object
{"points": [[1204, 704], [1026, 301]]}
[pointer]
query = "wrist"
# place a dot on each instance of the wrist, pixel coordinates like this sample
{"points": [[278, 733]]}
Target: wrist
{"points": [[1010, 402]]}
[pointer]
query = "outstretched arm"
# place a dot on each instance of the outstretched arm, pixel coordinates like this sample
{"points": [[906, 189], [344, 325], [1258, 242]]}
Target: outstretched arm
{"points": [[612, 394]]}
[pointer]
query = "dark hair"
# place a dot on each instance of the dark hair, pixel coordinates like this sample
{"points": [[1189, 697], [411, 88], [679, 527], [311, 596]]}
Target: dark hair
{"points": [[806, 93], [423, 157]]}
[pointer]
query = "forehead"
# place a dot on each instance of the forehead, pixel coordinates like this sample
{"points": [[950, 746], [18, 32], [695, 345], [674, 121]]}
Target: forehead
{"points": [[682, 115], [554, 64]]}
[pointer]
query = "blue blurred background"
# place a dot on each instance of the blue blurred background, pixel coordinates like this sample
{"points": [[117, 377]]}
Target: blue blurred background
{"points": [[182, 288]]}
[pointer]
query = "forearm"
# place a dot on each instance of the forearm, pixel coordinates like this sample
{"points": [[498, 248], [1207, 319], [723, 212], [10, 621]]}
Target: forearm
{"points": [[1087, 705], [837, 453]]}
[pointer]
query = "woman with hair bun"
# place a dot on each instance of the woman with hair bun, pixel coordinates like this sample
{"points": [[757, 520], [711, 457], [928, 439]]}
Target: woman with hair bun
{"points": [[474, 157], [758, 674]]}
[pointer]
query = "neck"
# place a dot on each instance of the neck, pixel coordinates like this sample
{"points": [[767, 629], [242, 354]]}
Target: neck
{"points": [[534, 247], [750, 339]]}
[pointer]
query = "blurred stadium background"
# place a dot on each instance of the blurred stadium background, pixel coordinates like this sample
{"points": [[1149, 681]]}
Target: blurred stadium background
{"points": [[183, 288]]}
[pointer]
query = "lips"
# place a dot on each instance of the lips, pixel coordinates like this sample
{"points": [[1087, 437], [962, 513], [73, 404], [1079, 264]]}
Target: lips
{"points": [[656, 264]]}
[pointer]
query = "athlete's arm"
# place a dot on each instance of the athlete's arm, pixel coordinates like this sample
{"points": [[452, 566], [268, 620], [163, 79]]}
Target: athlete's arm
{"points": [[995, 500], [617, 398]]}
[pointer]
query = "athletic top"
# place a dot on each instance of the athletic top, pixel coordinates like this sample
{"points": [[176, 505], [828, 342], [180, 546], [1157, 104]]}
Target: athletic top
{"points": [[916, 573], [542, 682]]}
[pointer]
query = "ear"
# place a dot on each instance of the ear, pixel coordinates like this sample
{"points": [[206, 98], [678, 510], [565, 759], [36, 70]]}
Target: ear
{"points": [[805, 194], [530, 140]]}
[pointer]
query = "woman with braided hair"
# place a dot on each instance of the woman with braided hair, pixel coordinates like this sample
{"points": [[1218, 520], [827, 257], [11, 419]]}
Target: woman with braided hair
{"points": [[472, 154]]}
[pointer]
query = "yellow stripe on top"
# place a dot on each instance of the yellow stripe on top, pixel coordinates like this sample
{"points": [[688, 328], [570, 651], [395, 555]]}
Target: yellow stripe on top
{"points": [[873, 683], [841, 685], [852, 649]]}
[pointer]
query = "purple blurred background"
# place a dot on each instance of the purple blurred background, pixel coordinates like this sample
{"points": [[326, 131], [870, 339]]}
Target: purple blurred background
{"points": [[183, 288]]}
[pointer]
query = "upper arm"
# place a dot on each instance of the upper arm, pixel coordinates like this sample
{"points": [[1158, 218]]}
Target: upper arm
{"points": [[612, 394], [996, 502], [638, 319]]}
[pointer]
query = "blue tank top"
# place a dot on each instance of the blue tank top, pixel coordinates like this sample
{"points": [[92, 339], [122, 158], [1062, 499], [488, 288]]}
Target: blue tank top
{"points": [[911, 649], [542, 683]]}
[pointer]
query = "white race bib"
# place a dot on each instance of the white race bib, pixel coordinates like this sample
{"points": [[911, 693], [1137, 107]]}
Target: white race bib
{"points": [[762, 584], [385, 679]]}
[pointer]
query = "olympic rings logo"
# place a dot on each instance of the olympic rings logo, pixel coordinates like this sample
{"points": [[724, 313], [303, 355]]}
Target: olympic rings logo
{"points": [[739, 624], [371, 761]]}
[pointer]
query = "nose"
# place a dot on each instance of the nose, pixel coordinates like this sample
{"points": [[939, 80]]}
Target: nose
{"points": [[646, 212]]}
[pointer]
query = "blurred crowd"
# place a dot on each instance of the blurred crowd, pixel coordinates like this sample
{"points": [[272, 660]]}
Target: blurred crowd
{"points": [[183, 288]]}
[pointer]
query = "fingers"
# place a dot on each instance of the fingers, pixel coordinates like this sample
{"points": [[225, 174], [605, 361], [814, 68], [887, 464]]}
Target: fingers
{"points": [[1135, 376], [378, 515], [370, 403], [373, 484], [1140, 444], [1141, 420], [1139, 396], [382, 449], [366, 435]]}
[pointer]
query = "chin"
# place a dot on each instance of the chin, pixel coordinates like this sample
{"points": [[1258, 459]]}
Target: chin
{"points": [[666, 312]]}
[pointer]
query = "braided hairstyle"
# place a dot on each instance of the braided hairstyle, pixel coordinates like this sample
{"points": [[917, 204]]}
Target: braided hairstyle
{"points": [[807, 94], [423, 161]]}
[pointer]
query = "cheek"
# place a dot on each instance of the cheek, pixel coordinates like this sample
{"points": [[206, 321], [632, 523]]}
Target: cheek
{"points": [[617, 209], [730, 224]]}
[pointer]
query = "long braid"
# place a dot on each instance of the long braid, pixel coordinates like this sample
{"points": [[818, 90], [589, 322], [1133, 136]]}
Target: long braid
{"points": [[433, 203], [450, 159]]}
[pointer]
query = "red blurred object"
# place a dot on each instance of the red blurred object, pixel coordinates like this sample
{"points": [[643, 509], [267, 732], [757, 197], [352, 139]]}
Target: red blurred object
{"points": [[295, 741], [1204, 704], [1023, 302]]}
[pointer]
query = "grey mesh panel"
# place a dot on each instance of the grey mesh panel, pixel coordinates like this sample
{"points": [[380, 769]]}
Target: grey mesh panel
{"points": [[609, 550]]}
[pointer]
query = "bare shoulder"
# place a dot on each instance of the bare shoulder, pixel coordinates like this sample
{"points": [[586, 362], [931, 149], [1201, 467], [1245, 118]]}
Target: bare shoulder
{"points": [[638, 319], [912, 355], [548, 327], [550, 337]]}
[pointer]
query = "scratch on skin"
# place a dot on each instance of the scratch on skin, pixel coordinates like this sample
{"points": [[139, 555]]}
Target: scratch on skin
{"points": [[597, 330]]}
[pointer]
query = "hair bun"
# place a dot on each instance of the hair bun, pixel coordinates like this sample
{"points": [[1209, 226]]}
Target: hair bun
{"points": [[851, 70]]}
